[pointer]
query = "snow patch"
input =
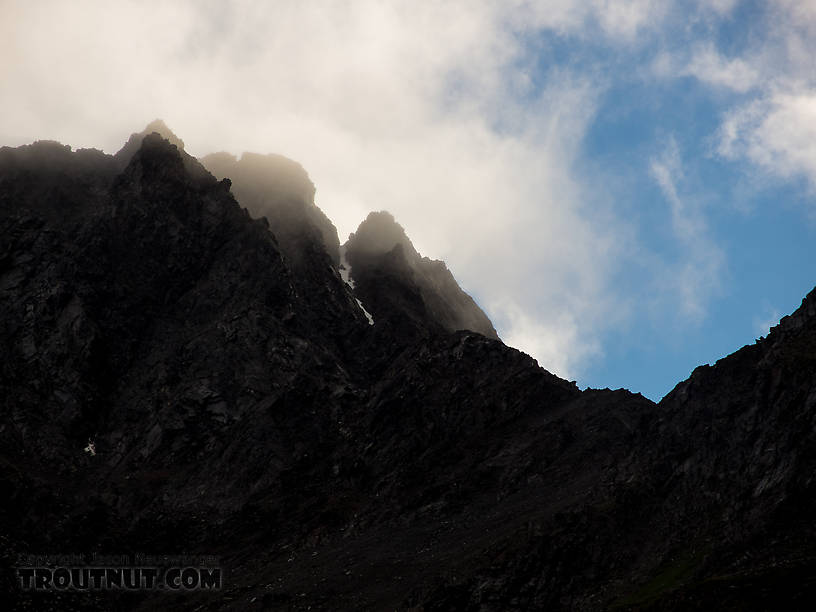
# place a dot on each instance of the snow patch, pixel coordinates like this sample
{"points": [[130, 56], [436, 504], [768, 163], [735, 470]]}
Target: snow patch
{"points": [[365, 312], [345, 269], [345, 274]]}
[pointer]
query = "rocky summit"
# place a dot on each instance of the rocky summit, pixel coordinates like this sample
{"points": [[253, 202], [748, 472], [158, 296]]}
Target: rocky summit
{"points": [[194, 365]]}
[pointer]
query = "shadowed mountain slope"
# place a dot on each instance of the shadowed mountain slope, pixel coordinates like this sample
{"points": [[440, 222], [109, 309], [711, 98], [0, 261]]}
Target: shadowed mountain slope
{"points": [[243, 406]]}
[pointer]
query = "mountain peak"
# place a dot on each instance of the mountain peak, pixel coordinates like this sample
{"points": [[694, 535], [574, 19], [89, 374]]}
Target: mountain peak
{"points": [[160, 127], [134, 143], [156, 158], [378, 234], [402, 286]]}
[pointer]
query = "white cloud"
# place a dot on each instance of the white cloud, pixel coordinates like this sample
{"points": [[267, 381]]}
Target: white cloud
{"points": [[709, 66], [772, 124], [775, 127], [620, 20], [558, 339], [626, 19], [723, 7], [719, 7], [801, 12], [778, 133]]}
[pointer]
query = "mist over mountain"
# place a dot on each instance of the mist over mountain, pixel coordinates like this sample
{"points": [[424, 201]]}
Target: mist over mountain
{"points": [[342, 427], [396, 281], [134, 143], [279, 189]]}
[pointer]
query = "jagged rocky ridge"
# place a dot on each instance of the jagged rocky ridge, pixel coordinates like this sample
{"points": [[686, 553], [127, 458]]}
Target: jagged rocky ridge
{"points": [[242, 406], [410, 291]]}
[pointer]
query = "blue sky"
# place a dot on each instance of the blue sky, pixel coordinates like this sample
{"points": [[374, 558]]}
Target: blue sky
{"points": [[627, 188], [756, 222]]}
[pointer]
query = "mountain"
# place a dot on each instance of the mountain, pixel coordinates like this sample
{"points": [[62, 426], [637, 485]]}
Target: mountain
{"points": [[134, 143], [406, 289], [342, 428], [279, 189]]}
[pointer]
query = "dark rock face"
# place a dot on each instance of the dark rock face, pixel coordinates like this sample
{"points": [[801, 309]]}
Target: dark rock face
{"points": [[243, 406], [408, 290]]}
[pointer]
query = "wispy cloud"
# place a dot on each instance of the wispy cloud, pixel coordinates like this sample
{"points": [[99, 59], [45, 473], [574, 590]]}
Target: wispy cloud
{"points": [[800, 12], [619, 20], [709, 66], [765, 321], [696, 276], [719, 7], [706, 64], [773, 125]]}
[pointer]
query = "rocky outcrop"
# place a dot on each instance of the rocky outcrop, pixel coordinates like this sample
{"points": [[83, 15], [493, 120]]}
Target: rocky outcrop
{"points": [[134, 143], [404, 288]]}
